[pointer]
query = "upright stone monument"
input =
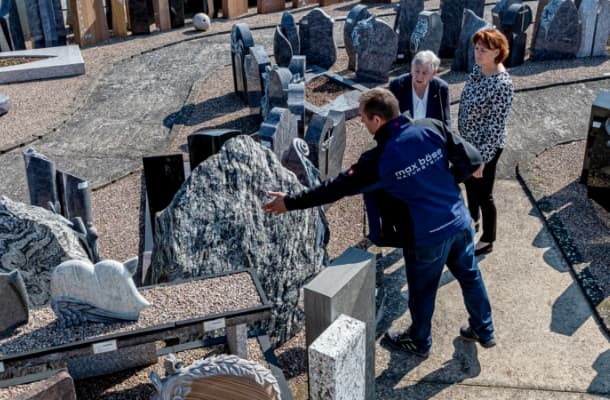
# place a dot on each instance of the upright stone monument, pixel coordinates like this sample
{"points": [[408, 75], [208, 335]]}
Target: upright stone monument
{"points": [[499, 8], [559, 32], [587, 13], [296, 104], [375, 44], [10, 26], [514, 22], [206, 142], [289, 28], [356, 14], [317, 40], [298, 66], [275, 82], [255, 65], [602, 29], [452, 12], [282, 49], [13, 302], [216, 224], [241, 41], [42, 184], [406, 19], [428, 33], [464, 55], [326, 139], [278, 131], [46, 23]]}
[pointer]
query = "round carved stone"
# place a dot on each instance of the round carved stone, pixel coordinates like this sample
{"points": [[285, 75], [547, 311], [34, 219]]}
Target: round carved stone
{"points": [[201, 22]]}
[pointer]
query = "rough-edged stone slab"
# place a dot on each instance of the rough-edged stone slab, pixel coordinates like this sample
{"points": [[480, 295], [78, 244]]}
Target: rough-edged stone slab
{"points": [[464, 55], [346, 287], [61, 62], [316, 34], [406, 19], [13, 302], [559, 32], [602, 29], [428, 32], [336, 362], [105, 292], [59, 386], [357, 13], [216, 224], [376, 44], [278, 130], [46, 238], [5, 104]]}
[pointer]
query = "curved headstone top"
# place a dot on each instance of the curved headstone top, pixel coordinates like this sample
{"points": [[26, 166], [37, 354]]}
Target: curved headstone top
{"points": [[5, 104], [290, 30], [356, 14], [316, 34], [376, 45]]}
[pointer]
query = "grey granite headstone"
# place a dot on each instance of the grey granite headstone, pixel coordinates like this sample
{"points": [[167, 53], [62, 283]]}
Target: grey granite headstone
{"points": [[499, 8], [464, 55], [295, 159], [105, 292], [602, 29], [297, 67], [406, 19], [275, 82], [216, 224], [587, 12], [278, 130], [514, 22], [255, 65], [41, 177], [241, 41], [559, 32], [5, 104], [452, 12], [47, 25], [282, 49], [347, 287], [428, 33], [296, 104], [47, 238], [289, 29], [375, 44], [13, 302], [357, 13], [317, 40], [337, 362], [326, 139]]}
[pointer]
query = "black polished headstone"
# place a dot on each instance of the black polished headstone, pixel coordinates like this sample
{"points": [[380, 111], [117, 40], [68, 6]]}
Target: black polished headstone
{"points": [[255, 64], [164, 176], [278, 130], [500, 7], [207, 142], [452, 12], [356, 14], [241, 41], [464, 54], [10, 27], [14, 310], [298, 66], [326, 139], [42, 184], [514, 21], [428, 33], [317, 40], [282, 49], [289, 29], [406, 19], [559, 32], [275, 82], [176, 13], [75, 197], [375, 44], [140, 16], [296, 104]]}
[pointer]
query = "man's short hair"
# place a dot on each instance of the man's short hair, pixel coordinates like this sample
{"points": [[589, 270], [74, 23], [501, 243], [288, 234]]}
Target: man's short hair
{"points": [[380, 102], [426, 57]]}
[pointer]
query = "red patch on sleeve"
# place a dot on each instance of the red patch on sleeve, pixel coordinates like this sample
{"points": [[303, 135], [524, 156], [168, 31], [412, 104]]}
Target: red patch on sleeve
{"points": [[350, 172]]}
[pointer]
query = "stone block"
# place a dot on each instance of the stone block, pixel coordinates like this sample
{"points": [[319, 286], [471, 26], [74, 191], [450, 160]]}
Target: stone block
{"points": [[13, 302], [207, 142], [57, 387], [237, 340], [61, 61], [337, 362], [113, 361], [347, 286]]}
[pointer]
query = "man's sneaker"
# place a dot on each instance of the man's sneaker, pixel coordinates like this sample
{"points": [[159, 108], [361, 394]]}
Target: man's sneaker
{"points": [[467, 333], [403, 342]]}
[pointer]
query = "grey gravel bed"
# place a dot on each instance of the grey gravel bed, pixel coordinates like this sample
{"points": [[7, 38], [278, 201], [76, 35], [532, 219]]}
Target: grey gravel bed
{"points": [[176, 302]]}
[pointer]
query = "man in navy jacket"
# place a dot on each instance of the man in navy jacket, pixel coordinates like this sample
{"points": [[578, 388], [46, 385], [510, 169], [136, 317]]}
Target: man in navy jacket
{"points": [[418, 165]]}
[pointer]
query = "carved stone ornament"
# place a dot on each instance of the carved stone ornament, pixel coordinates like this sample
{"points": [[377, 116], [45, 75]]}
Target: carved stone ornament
{"points": [[220, 377]]}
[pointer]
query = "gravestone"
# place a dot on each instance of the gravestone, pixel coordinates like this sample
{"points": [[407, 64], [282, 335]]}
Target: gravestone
{"points": [[514, 22], [282, 49], [326, 138], [347, 287], [278, 130], [289, 28], [241, 41], [587, 12], [559, 32], [375, 44], [13, 302], [101, 293], [10, 26], [452, 12], [428, 33], [255, 65], [59, 386], [406, 19], [317, 40], [176, 13], [500, 7], [47, 238], [140, 16], [275, 83], [216, 224], [298, 67], [5, 104], [206, 142], [41, 177], [164, 176], [296, 104], [218, 377], [356, 14], [464, 54], [337, 362], [602, 29], [295, 159], [47, 28]]}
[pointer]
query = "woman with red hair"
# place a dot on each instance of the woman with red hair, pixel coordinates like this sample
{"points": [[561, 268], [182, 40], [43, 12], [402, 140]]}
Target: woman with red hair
{"points": [[484, 108]]}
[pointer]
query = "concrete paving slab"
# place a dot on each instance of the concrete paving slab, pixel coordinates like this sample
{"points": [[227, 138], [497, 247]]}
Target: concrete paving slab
{"points": [[548, 338], [55, 62]]}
